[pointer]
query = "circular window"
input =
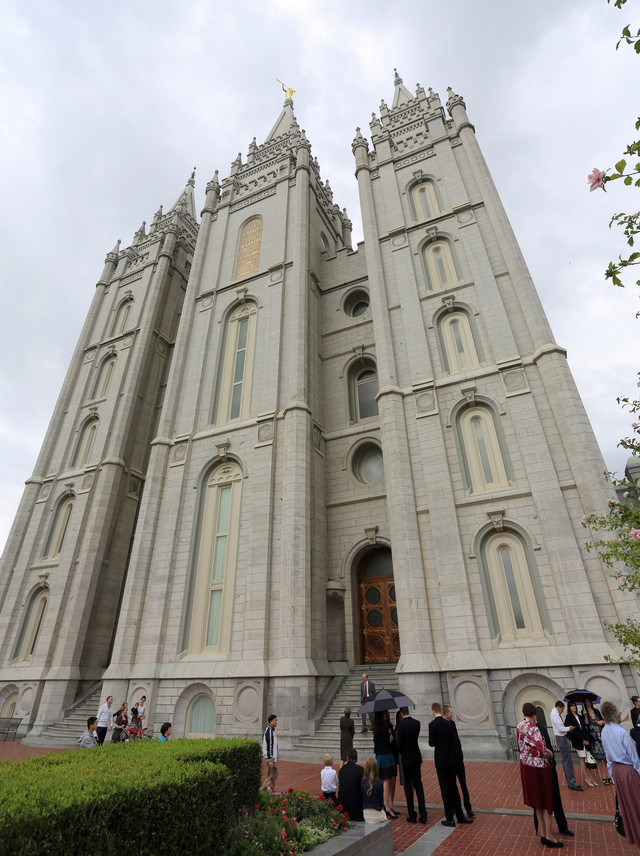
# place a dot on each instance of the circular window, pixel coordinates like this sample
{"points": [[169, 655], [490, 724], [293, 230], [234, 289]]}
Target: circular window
{"points": [[373, 595], [357, 303], [366, 463], [374, 618]]}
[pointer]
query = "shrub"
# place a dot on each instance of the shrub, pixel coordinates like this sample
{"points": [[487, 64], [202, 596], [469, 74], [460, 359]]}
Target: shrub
{"points": [[155, 798]]}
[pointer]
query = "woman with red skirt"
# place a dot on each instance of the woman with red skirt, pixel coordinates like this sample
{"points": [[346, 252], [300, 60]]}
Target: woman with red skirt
{"points": [[535, 771]]}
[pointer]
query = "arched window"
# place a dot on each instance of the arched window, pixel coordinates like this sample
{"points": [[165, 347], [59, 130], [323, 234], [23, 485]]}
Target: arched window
{"points": [[513, 599], [30, 630], [366, 382], [362, 378], [425, 201], [237, 366], [121, 317], [441, 270], [103, 378], [459, 344], [58, 529], [9, 706], [249, 243], [486, 467], [85, 443], [201, 717], [216, 561]]}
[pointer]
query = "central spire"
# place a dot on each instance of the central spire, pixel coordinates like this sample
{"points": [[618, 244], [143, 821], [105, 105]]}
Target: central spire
{"points": [[285, 122]]}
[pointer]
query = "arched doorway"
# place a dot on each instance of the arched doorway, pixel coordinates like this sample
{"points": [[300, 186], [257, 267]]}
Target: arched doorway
{"points": [[378, 615]]}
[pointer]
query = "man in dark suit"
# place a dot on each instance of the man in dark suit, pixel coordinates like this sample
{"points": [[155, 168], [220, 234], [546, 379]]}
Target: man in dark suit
{"points": [[367, 692], [443, 736], [349, 793], [461, 774], [407, 733]]}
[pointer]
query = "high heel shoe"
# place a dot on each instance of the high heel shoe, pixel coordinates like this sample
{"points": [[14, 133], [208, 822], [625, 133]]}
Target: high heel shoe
{"points": [[591, 784], [546, 843], [390, 816]]}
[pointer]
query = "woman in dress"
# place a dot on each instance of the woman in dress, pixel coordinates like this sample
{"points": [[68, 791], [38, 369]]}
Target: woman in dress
{"points": [[593, 721], [120, 722], [579, 739], [623, 765], [347, 730], [535, 772], [372, 791], [383, 740]]}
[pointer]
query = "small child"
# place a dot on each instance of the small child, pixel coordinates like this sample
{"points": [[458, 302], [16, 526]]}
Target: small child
{"points": [[328, 779]]}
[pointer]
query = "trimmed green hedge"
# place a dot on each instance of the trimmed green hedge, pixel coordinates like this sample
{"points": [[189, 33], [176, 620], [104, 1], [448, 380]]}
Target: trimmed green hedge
{"points": [[159, 799]]}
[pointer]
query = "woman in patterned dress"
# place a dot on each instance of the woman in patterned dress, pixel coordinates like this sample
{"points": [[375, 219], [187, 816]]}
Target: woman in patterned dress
{"points": [[535, 772], [594, 723]]}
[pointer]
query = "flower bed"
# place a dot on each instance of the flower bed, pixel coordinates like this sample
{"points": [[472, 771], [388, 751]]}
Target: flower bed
{"points": [[286, 824]]}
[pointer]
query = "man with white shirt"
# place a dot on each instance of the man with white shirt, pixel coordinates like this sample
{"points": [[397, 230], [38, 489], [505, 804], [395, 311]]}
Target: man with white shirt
{"points": [[105, 719], [561, 730]]}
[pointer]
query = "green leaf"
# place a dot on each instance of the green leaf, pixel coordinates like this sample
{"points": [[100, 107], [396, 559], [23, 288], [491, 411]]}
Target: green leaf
{"points": [[620, 166], [628, 180], [626, 31]]}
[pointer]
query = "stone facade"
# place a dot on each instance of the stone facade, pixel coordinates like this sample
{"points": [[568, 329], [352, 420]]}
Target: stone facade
{"points": [[275, 456]]}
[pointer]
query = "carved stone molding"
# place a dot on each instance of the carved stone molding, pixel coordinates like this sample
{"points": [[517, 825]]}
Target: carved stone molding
{"points": [[496, 516], [372, 534], [247, 707], [469, 393], [223, 448]]}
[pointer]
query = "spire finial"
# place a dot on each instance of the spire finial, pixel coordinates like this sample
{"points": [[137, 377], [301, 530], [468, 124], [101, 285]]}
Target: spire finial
{"points": [[192, 179]]}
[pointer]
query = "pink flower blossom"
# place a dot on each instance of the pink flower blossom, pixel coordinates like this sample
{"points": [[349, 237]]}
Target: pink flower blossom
{"points": [[634, 424], [595, 179], [607, 565], [634, 534], [623, 580], [584, 518], [626, 494]]}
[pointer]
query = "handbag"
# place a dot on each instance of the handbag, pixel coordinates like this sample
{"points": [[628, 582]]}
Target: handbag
{"points": [[618, 822], [590, 761]]}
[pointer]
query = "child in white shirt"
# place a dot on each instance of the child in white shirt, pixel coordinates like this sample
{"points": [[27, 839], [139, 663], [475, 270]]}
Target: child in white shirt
{"points": [[329, 780]]}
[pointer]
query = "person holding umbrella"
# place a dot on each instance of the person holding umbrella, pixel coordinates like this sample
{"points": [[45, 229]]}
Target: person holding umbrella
{"points": [[579, 739], [384, 740]]}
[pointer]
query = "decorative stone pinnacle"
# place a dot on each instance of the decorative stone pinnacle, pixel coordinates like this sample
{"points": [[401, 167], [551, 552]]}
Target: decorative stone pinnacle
{"points": [[192, 179]]}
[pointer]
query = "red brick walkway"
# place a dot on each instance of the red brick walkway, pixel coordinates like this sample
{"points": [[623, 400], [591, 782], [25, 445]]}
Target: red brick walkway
{"points": [[503, 825]]}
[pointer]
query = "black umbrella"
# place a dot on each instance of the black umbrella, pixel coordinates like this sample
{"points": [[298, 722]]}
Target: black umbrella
{"points": [[580, 695], [386, 700]]}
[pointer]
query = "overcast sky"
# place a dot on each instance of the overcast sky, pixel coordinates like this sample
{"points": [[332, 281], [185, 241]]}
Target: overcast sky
{"points": [[107, 107]]}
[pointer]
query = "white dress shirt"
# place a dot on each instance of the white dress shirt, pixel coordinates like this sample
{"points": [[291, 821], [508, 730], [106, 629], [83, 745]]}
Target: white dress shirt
{"points": [[559, 729]]}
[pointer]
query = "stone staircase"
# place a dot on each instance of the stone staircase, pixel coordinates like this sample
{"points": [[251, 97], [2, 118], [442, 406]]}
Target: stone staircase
{"points": [[327, 736], [73, 724]]}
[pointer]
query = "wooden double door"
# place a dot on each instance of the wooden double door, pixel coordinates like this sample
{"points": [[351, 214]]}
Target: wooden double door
{"points": [[379, 637]]}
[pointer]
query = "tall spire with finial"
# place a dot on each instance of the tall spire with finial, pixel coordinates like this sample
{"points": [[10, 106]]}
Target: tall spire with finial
{"points": [[186, 202], [401, 94]]}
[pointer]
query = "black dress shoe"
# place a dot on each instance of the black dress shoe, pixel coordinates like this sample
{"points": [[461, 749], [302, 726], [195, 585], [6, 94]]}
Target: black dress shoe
{"points": [[566, 832], [464, 820], [546, 843], [470, 813], [411, 820], [448, 822], [575, 788], [424, 820]]}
